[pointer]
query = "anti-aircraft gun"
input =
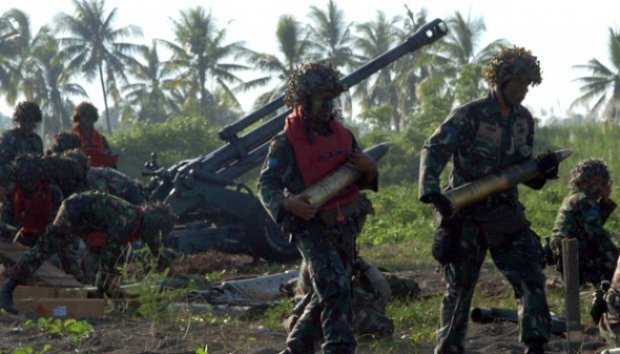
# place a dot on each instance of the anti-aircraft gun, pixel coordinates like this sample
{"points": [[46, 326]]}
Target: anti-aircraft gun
{"points": [[218, 212]]}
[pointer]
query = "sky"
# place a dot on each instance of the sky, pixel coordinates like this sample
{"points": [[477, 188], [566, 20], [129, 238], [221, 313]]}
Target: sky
{"points": [[561, 33]]}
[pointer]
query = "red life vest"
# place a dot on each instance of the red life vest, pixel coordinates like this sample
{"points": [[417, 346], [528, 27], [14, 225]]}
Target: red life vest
{"points": [[96, 240], [32, 215], [93, 148], [326, 154]]}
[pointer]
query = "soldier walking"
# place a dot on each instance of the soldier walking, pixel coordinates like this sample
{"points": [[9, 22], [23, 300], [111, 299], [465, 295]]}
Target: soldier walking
{"points": [[480, 138], [313, 145]]}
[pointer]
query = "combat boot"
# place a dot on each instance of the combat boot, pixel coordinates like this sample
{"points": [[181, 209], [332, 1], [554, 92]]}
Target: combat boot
{"points": [[535, 348], [6, 296]]}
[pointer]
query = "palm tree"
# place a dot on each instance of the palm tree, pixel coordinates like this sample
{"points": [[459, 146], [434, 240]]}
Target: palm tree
{"points": [[14, 39], [96, 46], [148, 87], [47, 78], [199, 54], [294, 46], [603, 83], [374, 39], [465, 60], [412, 69], [330, 35], [331, 39], [463, 40]]}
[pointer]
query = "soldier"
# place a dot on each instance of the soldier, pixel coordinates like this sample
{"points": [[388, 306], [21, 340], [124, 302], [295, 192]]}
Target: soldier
{"points": [[105, 223], [313, 145], [582, 215], [32, 201], [21, 139], [94, 145], [480, 138], [72, 173], [64, 141]]}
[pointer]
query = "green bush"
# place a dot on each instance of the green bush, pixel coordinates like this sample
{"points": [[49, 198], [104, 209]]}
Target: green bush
{"points": [[177, 139]]}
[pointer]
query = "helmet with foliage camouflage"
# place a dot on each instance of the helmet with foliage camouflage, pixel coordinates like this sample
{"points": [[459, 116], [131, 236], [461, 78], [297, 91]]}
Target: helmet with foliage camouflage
{"points": [[68, 170], [27, 110], [589, 177], [516, 62], [65, 141], [85, 110], [27, 169], [310, 79]]}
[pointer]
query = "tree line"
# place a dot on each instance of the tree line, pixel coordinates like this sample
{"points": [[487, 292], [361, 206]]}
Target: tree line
{"points": [[200, 76]]}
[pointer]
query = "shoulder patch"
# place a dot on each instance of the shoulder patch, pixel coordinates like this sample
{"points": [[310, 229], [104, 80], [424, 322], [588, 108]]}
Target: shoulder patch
{"points": [[272, 162]]}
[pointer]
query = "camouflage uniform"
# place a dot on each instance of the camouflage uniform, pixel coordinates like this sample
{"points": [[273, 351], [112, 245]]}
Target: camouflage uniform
{"points": [[105, 223], [12, 143], [327, 247], [109, 180], [330, 265], [480, 141], [582, 216], [609, 325], [369, 300]]}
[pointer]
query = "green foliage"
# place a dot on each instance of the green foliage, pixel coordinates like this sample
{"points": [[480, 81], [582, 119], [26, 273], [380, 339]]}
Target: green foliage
{"points": [[418, 317], [177, 139], [398, 216], [75, 330], [155, 304], [204, 350], [468, 85], [26, 349], [273, 316]]}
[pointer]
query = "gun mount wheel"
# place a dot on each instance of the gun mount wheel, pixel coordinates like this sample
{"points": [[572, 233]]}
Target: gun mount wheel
{"points": [[273, 245]]}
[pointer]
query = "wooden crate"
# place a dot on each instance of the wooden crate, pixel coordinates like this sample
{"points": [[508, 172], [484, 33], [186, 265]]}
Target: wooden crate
{"points": [[62, 307]]}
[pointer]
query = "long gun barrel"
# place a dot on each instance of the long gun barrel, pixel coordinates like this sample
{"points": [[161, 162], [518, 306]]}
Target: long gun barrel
{"points": [[479, 189], [239, 146], [490, 314]]}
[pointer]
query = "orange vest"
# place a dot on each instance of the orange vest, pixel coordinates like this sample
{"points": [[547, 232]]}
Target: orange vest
{"points": [[321, 157], [93, 148], [32, 214]]}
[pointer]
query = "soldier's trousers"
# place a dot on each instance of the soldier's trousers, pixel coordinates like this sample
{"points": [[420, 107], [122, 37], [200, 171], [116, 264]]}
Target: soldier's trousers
{"points": [[58, 237], [329, 308], [520, 261]]}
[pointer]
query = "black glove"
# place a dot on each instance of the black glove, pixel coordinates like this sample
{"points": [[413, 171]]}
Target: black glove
{"points": [[599, 306], [548, 164], [441, 203]]}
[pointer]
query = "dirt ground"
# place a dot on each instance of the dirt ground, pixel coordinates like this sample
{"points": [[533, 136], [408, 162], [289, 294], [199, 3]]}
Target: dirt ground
{"points": [[123, 334]]}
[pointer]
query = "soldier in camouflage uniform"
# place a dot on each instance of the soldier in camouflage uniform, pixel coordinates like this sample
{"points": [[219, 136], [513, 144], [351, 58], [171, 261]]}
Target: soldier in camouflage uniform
{"points": [[64, 141], [71, 171], [105, 223], [313, 145], [21, 139], [582, 215], [480, 138]]}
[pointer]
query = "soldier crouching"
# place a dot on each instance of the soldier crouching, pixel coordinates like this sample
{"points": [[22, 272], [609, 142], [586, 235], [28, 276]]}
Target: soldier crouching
{"points": [[105, 223], [582, 216]]}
